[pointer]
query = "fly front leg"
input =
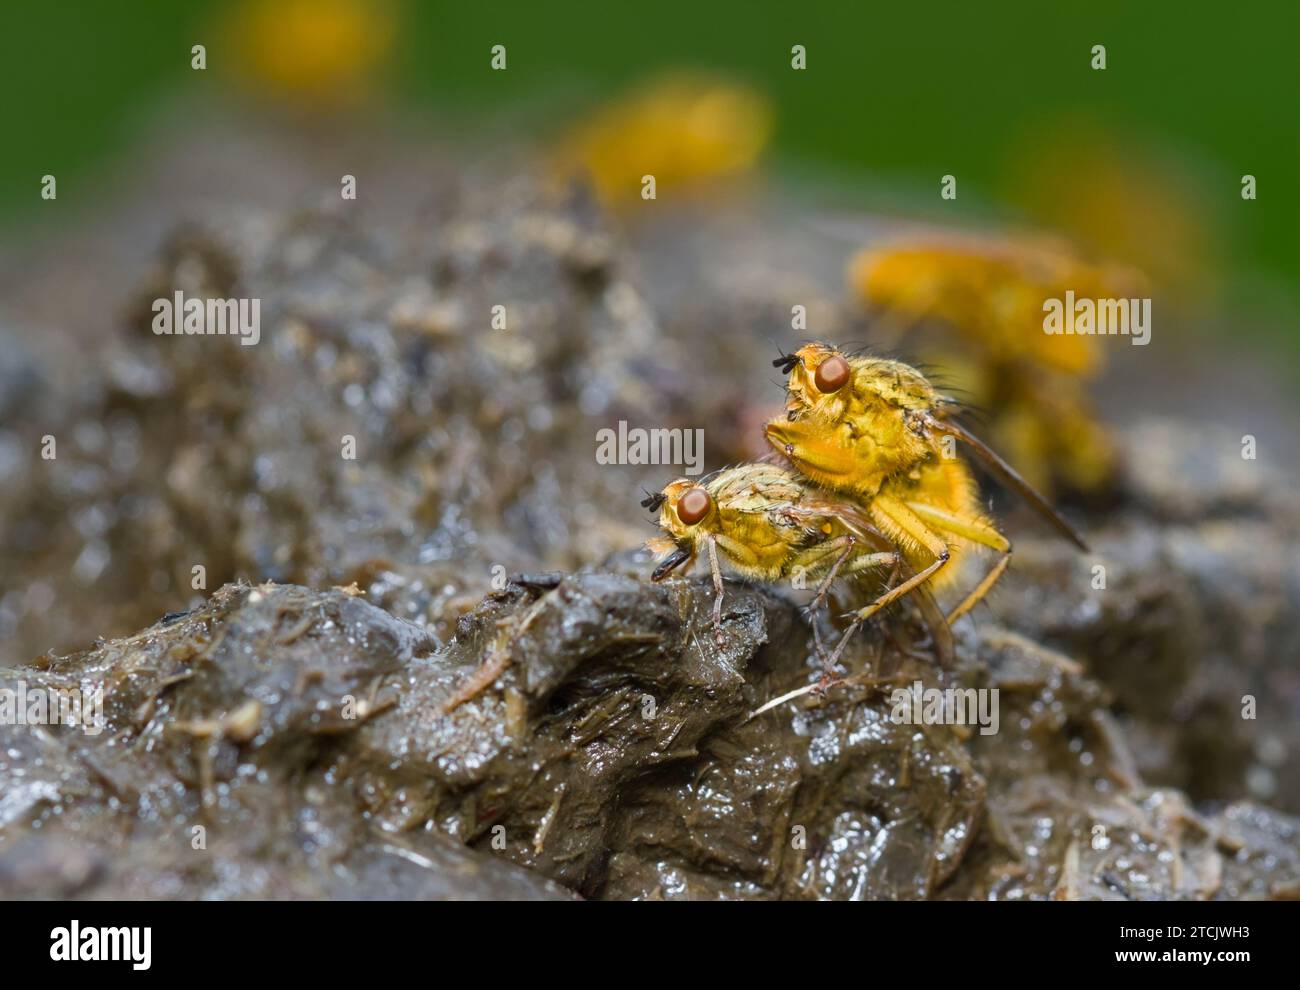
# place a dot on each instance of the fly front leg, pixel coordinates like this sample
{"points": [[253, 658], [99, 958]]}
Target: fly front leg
{"points": [[719, 637]]}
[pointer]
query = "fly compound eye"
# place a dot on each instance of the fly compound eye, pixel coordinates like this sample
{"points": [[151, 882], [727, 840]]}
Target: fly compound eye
{"points": [[694, 506], [832, 374]]}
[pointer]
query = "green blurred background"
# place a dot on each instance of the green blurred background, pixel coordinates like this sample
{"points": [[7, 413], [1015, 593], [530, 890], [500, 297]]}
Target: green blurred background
{"points": [[1142, 161]]}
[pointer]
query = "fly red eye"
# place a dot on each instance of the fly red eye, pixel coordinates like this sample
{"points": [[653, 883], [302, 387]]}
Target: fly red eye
{"points": [[832, 374], [694, 506]]}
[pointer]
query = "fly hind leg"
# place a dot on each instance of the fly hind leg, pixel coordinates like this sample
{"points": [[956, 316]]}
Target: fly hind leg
{"points": [[977, 531], [894, 517], [980, 590]]}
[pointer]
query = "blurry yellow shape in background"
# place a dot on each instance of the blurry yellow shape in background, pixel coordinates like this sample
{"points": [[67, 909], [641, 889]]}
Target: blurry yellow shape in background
{"points": [[992, 292], [683, 129], [1122, 201], [985, 298], [319, 53]]}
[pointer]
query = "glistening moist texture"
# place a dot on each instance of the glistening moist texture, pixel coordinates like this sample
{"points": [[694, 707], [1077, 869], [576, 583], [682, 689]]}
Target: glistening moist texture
{"points": [[613, 758], [303, 730]]}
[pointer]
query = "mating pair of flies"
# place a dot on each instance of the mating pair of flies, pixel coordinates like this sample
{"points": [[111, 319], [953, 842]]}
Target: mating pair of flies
{"points": [[863, 482]]}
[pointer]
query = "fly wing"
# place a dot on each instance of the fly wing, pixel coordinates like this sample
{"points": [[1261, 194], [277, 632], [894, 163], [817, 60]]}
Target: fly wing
{"points": [[1009, 477], [815, 504], [757, 487]]}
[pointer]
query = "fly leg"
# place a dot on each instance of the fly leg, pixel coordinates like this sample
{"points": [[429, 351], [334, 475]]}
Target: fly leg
{"points": [[823, 589], [861, 563], [895, 515], [977, 531], [818, 599], [892, 514], [981, 589], [827, 670], [719, 637]]}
